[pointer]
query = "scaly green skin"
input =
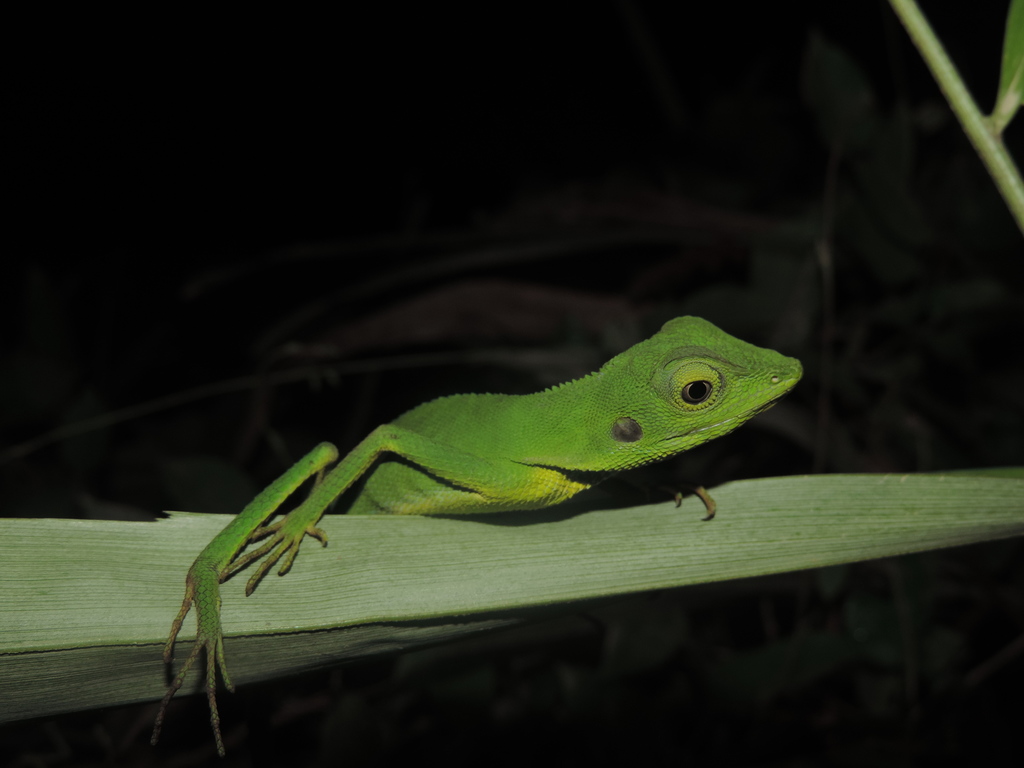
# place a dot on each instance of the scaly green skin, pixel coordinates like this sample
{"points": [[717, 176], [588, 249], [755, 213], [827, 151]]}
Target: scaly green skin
{"points": [[687, 384]]}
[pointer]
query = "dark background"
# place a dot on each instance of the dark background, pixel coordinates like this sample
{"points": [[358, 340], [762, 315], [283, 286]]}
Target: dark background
{"points": [[517, 192]]}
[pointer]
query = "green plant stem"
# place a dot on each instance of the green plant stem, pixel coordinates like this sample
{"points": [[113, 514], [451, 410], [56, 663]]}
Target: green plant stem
{"points": [[979, 129]]}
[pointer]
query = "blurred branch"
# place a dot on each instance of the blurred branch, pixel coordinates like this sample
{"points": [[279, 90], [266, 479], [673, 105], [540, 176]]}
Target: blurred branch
{"points": [[983, 132]]}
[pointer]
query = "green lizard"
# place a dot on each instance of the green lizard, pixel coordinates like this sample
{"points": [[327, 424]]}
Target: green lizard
{"points": [[468, 454]]}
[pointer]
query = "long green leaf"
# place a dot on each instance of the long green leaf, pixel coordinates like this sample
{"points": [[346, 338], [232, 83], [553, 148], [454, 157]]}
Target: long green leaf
{"points": [[1011, 77], [87, 605]]}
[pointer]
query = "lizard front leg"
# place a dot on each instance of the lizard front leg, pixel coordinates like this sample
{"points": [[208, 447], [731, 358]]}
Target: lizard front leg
{"points": [[493, 484], [214, 564]]}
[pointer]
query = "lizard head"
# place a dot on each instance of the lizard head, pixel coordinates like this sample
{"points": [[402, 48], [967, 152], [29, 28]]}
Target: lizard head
{"points": [[705, 383]]}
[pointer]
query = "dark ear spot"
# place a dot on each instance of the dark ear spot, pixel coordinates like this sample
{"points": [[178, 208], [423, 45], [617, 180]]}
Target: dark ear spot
{"points": [[626, 430]]}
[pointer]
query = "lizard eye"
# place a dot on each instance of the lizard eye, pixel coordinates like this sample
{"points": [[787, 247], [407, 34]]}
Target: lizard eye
{"points": [[696, 392], [694, 385]]}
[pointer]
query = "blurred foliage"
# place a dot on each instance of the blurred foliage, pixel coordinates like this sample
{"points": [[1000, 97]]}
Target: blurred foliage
{"points": [[830, 208]]}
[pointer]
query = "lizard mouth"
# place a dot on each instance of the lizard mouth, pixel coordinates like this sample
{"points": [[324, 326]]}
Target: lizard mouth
{"points": [[741, 418]]}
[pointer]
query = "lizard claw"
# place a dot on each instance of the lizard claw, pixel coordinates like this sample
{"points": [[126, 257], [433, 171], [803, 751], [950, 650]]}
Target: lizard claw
{"points": [[209, 638], [285, 543]]}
